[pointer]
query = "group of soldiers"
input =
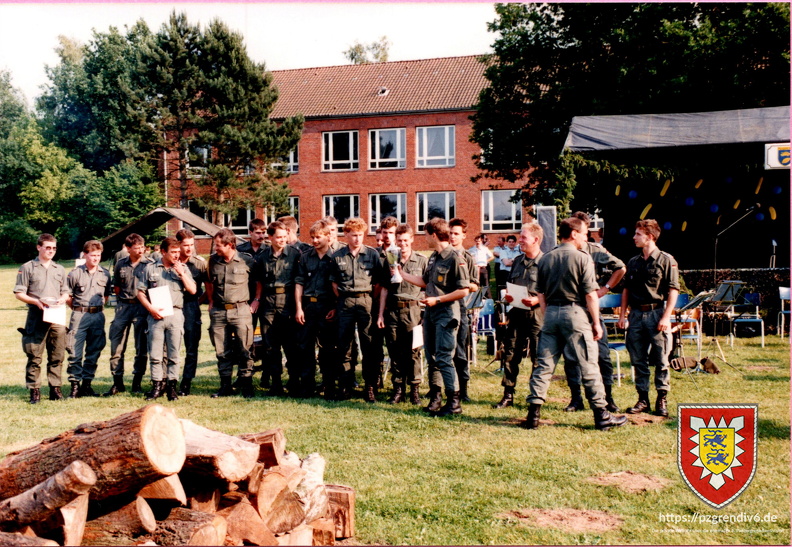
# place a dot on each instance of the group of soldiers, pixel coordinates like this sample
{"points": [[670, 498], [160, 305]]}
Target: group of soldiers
{"points": [[320, 304]]}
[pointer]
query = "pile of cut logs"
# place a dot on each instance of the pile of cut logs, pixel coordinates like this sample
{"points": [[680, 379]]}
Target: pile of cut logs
{"points": [[149, 478]]}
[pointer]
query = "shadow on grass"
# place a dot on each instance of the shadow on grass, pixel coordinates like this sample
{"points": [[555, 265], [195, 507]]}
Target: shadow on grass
{"points": [[766, 378], [770, 429]]}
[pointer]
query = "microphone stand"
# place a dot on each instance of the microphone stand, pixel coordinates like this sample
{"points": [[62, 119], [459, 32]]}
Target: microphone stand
{"points": [[715, 257]]}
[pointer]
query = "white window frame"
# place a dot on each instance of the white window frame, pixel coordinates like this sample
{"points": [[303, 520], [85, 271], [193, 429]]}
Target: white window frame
{"points": [[353, 142], [204, 154], [375, 216], [422, 212], [375, 162], [328, 207], [240, 229], [422, 159], [487, 207]]}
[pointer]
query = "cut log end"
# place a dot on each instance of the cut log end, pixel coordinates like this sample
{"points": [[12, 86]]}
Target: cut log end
{"points": [[163, 439]]}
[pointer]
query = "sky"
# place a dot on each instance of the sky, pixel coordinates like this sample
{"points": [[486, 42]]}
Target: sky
{"points": [[282, 35]]}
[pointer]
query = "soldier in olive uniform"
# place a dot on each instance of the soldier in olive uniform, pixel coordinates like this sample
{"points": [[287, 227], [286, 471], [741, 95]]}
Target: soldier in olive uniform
{"points": [[293, 227], [652, 279], [609, 271], [446, 280], [522, 332], [567, 288], [457, 234], [41, 283], [130, 315], [257, 242], [400, 315], [165, 333], [357, 270], [230, 319], [192, 307], [274, 271], [315, 305], [89, 289]]}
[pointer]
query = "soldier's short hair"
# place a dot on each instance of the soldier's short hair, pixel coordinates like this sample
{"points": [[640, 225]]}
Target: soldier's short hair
{"points": [[321, 226], [534, 229], [404, 229], [167, 243], [183, 234], [275, 225], [462, 223], [650, 227], [256, 224], [92, 245], [355, 224], [439, 227], [45, 238], [134, 239], [290, 222], [582, 216], [389, 222], [511, 237], [568, 225], [225, 236]]}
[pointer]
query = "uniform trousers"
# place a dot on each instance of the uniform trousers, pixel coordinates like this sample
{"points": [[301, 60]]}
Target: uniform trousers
{"points": [[316, 332], [355, 310], [522, 336], [461, 361], [232, 336], [567, 328], [36, 337], [132, 317], [405, 361], [441, 324], [572, 370], [278, 330], [85, 341], [164, 339], [648, 348], [192, 337]]}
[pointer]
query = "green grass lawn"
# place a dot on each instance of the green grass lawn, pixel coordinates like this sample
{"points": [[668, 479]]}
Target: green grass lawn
{"points": [[422, 481]]}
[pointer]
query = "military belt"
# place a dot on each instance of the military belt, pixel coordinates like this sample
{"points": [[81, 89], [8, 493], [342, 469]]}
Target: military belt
{"points": [[406, 303], [234, 305], [128, 300], [275, 290], [648, 307], [87, 309], [355, 294]]}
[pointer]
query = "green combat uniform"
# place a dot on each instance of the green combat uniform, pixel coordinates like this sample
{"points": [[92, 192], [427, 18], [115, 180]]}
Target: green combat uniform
{"points": [[86, 335], [38, 281], [192, 316], [129, 314]]}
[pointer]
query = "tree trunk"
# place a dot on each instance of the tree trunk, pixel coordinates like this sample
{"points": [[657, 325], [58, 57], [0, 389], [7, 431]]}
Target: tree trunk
{"points": [[214, 454], [245, 524], [287, 512], [206, 501], [67, 525], [169, 488], [18, 540], [342, 509], [126, 453], [132, 520], [187, 527], [40, 502], [323, 531], [272, 445]]}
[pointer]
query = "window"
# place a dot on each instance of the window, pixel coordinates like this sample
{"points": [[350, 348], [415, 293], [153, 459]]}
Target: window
{"points": [[198, 160], [342, 208], [269, 214], [435, 146], [237, 223], [387, 149], [435, 204], [294, 207], [340, 151], [293, 161], [387, 205], [498, 212]]}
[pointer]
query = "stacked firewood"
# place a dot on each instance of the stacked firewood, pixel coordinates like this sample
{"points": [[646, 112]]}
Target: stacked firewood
{"points": [[148, 478]]}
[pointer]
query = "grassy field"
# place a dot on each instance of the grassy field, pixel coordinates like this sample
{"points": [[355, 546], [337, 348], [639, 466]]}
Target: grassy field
{"points": [[424, 481]]}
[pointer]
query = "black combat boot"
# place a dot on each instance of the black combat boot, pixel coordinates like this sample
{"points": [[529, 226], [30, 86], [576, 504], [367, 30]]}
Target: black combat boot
{"points": [[171, 391], [117, 387], [158, 389], [508, 398], [136, 379], [55, 393], [415, 397], [642, 405], [611, 406], [246, 388], [371, 394], [463, 391], [532, 419], [452, 405], [576, 403], [86, 390], [398, 394], [35, 396], [435, 400], [225, 388], [661, 406], [604, 420], [185, 386], [75, 390]]}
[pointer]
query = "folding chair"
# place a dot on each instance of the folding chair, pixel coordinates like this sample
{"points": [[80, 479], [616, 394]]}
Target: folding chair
{"points": [[487, 325], [783, 294], [613, 301], [688, 319], [751, 315]]}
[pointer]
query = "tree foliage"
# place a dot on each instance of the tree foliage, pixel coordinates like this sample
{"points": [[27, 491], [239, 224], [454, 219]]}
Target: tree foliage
{"points": [[555, 61], [375, 52]]}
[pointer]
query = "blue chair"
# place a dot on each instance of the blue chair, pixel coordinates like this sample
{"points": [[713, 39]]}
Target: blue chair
{"points": [[688, 320], [486, 324], [614, 301], [751, 315], [783, 294]]}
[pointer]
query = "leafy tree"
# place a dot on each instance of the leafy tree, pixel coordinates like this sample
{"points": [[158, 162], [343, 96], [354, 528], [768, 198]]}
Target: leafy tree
{"points": [[375, 52], [555, 61]]}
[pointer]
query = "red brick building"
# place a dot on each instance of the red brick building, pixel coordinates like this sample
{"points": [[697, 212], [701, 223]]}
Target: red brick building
{"points": [[388, 139]]}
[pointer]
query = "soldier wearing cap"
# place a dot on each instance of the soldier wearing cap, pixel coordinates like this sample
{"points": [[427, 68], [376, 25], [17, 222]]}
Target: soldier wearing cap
{"points": [[89, 288], [230, 319], [165, 332], [41, 283], [567, 289], [651, 287], [446, 280], [525, 322], [609, 271], [192, 307]]}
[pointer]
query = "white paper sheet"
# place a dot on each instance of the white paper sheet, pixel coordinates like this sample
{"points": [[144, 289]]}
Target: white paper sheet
{"points": [[417, 333], [55, 315], [518, 292], [160, 298]]}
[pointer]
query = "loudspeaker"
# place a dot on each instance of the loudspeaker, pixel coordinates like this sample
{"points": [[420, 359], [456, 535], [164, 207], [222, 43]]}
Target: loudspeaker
{"points": [[546, 216]]}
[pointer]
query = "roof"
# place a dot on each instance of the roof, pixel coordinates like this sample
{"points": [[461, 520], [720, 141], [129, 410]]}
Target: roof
{"points": [[695, 128], [447, 83]]}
